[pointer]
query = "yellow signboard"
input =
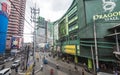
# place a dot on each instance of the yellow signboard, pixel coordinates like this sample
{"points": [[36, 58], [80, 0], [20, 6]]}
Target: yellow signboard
{"points": [[70, 49], [70, 46]]}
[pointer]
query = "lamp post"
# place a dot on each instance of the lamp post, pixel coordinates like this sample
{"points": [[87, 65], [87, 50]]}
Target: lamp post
{"points": [[96, 49]]}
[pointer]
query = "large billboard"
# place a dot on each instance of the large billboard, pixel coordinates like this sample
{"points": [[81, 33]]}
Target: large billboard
{"points": [[16, 42], [4, 13], [102, 10], [5, 6], [3, 31]]}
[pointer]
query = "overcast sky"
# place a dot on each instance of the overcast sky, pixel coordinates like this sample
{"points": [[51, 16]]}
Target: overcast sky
{"points": [[49, 9], [53, 9]]}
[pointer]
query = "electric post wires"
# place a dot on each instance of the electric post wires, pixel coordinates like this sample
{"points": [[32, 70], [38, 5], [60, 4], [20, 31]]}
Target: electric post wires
{"points": [[34, 13]]}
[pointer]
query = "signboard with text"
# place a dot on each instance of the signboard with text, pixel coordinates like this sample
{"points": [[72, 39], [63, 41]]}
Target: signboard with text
{"points": [[102, 10]]}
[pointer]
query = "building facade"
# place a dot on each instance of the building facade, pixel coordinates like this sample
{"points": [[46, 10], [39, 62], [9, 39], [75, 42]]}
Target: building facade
{"points": [[44, 31], [41, 28], [55, 35], [16, 20], [91, 26]]}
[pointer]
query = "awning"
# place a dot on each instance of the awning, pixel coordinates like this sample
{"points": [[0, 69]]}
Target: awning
{"points": [[115, 27], [115, 52], [108, 59]]}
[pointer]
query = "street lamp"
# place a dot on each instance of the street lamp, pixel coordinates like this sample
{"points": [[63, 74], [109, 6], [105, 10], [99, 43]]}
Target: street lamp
{"points": [[34, 11], [96, 49]]}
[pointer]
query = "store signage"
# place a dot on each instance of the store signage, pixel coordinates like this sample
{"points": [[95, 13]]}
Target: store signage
{"points": [[107, 17], [108, 7]]}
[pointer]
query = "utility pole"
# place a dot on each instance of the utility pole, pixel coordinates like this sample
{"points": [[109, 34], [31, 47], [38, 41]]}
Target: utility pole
{"points": [[46, 31], [53, 38], [34, 13]]}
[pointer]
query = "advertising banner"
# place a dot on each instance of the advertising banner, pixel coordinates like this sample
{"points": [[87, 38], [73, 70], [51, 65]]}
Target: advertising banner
{"points": [[15, 43], [3, 31]]}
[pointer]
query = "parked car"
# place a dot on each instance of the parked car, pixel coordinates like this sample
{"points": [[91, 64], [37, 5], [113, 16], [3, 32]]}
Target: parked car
{"points": [[6, 60], [6, 71], [15, 64], [2, 62], [11, 59]]}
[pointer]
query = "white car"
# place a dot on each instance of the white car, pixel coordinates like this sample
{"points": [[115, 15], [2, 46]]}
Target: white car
{"points": [[11, 59], [6, 71], [15, 64]]}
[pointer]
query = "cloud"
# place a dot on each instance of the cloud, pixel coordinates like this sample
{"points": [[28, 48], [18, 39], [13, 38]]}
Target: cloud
{"points": [[49, 9], [53, 9], [60, 5]]}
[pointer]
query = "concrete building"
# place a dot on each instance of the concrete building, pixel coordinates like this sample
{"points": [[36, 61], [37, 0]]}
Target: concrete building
{"points": [[16, 20], [41, 30]]}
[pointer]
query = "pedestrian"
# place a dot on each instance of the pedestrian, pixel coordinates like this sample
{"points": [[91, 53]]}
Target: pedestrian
{"points": [[63, 59], [16, 70], [69, 70], [51, 72], [82, 71], [76, 69], [116, 72], [37, 59], [41, 67], [68, 61], [57, 66]]}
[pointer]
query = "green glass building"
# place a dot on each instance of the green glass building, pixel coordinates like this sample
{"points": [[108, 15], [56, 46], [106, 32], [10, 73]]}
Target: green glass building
{"points": [[89, 25]]}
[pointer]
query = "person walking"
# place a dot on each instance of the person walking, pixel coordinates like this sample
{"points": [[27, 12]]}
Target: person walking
{"points": [[16, 70], [51, 72], [41, 67], [69, 71], [83, 72], [75, 68], [57, 66]]}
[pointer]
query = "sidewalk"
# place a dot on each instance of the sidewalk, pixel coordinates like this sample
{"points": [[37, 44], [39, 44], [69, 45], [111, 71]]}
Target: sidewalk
{"points": [[66, 65]]}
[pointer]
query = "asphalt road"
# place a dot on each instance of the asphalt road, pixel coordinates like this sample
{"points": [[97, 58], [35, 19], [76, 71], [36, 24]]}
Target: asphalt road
{"points": [[52, 63], [46, 67]]}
